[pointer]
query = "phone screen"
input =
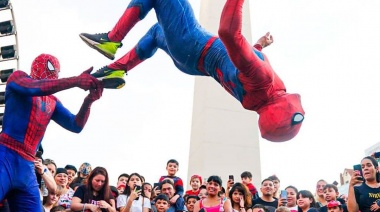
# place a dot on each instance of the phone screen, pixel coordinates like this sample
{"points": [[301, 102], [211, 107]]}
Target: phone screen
{"points": [[358, 167], [231, 177], [137, 188]]}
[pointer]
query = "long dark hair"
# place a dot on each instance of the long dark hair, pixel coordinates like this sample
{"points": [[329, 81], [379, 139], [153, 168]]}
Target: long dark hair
{"points": [[246, 194], [307, 194], [105, 191], [376, 165], [127, 190]]}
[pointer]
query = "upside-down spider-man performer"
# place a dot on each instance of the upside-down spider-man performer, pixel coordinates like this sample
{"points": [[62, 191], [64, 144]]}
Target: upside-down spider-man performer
{"points": [[244, 71], [29, 108]]}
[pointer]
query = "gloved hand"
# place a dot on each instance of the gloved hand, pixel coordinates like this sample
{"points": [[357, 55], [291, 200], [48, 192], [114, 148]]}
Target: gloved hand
{"points": [[96, 93], [86, 82]]}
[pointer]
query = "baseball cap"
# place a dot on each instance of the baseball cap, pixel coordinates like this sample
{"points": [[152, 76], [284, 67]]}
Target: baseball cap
{"points": [[334, 203]]}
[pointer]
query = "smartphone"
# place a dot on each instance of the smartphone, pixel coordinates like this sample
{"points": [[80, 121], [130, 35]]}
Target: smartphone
{"points": [[137, 188], [284, 196], [231, 177], [358, 167], [156, 185], [376, 154], [39, 154]]}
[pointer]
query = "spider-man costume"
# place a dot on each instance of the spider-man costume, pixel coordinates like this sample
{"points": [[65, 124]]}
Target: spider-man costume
{"points": [[244, 71], [29, 109]]}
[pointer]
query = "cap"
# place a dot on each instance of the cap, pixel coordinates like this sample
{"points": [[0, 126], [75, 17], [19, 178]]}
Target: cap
{"points": [[71, 167], [85, 168], [60, 171], [121, 186], [333, 204], [196, 176]]}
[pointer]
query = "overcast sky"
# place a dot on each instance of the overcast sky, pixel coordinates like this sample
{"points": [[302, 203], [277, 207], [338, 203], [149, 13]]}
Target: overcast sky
{"points": [[327, 51]]}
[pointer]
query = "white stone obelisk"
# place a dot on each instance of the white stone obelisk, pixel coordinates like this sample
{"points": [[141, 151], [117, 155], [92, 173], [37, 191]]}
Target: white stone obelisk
{"points": [[224, 136]]}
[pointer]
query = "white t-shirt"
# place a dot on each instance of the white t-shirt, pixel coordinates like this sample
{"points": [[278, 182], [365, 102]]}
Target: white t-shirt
{"points": [[65, 199], [137, 205]]}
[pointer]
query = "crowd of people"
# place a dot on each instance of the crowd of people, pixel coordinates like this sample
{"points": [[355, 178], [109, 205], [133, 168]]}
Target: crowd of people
{"points": [[88, 189]]}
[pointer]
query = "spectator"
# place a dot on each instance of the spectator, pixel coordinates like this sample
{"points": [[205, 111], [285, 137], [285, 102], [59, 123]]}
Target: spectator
{"points": [[282, 209], [132, 200], [331, 194], [83, 172], [267, 199], [167, 188], [51, 199], [241, 198], [306, 201], [58, 208], [44, 178], [359, 198], [334, 206], [195, 183], [121, 188], [71, 172], [246, 179], [319, 191], [213, 203], [50, 164], [202, 192], [276, 184], [190, 202], [122, 179], [61, 178], [292, 198], [259, 208], [172, 168], [96, 194], [162, 203], [147, 190]]}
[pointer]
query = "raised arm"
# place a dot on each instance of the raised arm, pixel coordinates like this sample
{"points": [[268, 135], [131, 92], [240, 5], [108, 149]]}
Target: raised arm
{"points": [[20, 82]]}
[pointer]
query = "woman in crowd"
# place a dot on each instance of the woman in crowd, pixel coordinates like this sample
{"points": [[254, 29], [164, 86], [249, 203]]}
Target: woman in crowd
{"points": [[359, 193], [292, 198], [95, 195], [240, 198], [132, 200], [306, 201], [319, 192], [147, 190], [62, 180], [51, 199], [213, 203]]}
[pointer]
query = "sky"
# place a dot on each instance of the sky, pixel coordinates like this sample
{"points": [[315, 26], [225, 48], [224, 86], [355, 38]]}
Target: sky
{"points": [[327, 51]]}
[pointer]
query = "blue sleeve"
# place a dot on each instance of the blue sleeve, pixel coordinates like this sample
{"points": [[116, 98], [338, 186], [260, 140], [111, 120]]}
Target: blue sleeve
{"points": [[65, 118], [180, 204]]}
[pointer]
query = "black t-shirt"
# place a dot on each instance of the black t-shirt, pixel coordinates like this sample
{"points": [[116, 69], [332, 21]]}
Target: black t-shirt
{"points": [[365, 196], [80, 194], [270, 205]]}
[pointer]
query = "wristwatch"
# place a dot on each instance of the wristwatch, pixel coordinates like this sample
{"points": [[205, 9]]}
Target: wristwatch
{"points": [[45, 170]]}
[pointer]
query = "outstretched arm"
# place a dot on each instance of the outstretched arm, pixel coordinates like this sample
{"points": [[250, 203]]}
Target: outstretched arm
{"points": [[76, 123], [20, 82], [238, 48]]}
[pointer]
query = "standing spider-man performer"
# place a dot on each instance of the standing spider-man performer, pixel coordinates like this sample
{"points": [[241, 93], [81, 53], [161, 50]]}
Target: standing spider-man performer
{"points": [[29, 108], [244, 71]]}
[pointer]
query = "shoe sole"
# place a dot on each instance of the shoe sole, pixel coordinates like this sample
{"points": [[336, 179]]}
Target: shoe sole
{"points": [[93, 44], [113, 83]]}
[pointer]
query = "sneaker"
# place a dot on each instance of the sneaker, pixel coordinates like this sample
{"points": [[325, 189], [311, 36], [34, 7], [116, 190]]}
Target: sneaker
{"points": [[114, 80], [105, 71], [101, 43]]}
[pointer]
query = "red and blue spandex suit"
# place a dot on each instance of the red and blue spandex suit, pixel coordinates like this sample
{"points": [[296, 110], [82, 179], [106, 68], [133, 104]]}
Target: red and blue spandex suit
{"points": [[29, 109], [244, 71]]}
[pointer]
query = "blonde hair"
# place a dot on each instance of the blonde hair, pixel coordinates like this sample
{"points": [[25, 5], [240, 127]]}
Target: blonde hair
{"points": [[282, 209]]}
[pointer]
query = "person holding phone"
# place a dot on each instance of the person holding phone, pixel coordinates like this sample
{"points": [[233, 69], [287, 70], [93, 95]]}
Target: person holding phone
{"points": [[359, 198], [132, 199]]}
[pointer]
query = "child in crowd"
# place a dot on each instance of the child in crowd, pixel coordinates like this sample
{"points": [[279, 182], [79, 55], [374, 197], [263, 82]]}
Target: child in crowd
{"points": [[58, 209], [202, 192], [331, 193], [334, 206], [161, 203], [172, 168], [195, 182], [246, 179], [190, 202]]}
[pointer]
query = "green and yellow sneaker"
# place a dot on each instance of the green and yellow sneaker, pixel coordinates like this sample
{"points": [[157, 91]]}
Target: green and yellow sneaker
{"points": [[111, 78], [101, 43]]}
